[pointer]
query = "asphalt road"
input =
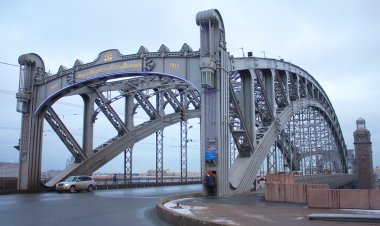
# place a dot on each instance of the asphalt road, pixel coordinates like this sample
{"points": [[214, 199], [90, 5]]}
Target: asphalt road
{"points": [[99, 208]]}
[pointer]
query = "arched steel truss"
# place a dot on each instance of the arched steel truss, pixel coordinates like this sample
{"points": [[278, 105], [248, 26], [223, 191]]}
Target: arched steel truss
{"points": [[165, 99], [295, 126], [276, 111]]}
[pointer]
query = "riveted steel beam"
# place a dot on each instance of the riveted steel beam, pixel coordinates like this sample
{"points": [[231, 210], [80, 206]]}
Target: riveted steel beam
{"points": [[238, 129], [110, 113], [146, 105], [63, 133]]}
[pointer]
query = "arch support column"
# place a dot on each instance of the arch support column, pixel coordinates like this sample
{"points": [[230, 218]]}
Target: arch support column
{"points": [[32, 69], [215, 68]]}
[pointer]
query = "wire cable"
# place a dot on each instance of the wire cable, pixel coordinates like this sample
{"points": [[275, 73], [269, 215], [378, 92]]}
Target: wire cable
{"points": [[15, 65]]}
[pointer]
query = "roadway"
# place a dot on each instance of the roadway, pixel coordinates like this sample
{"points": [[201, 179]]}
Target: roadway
{"points": [[99, 208]]}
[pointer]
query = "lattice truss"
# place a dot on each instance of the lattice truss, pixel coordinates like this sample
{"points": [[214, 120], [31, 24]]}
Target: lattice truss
{"points": [[306, 146], [307, 143], [163, 99]]}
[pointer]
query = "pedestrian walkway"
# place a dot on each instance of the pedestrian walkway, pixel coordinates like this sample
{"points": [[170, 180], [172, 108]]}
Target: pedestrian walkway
{"points": [[252, 209]]}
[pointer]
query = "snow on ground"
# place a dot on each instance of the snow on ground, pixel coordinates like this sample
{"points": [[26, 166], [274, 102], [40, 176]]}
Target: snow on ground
{"points": [[177, 206], [225, 221], [186, 210]]}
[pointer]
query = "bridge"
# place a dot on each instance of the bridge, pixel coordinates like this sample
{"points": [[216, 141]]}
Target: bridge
{"points": [[251, 109]]}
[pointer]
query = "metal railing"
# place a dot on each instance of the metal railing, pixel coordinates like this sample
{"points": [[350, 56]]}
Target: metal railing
{"points": [[141, 179], [333, 180]]}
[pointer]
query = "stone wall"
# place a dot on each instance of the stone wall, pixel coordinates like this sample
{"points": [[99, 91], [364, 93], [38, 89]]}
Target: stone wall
{"points": [[295, 193], [344, 199], [281, 188]]}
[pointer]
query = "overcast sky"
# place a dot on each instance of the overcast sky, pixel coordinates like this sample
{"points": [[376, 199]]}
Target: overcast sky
{"points": [[337, 42]]}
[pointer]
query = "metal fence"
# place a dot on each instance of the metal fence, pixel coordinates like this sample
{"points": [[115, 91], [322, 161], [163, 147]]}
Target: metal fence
{"points": [[8, 184], [333, 180], [141, 179]]}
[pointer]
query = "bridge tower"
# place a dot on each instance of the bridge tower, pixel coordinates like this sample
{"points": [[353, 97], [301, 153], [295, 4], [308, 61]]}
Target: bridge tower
{"points": [[32, 68], [363, 155], [215, 67]]}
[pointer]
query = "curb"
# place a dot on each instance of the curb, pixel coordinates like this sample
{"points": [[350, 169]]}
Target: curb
{"points": [[345, 217], [176, 218]]}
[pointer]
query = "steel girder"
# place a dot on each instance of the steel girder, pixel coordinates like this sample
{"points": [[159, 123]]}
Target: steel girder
{"points": [[110, 113], [184, 142], [64, 134], [237, 126], [160, 155], [159, 134], [128, 165]]}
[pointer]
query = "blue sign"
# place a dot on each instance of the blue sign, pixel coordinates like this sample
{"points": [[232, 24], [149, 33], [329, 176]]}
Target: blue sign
{"points": [[210, 156]]}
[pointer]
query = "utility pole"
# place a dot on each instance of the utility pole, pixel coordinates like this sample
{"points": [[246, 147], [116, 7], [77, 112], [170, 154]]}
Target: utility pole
{"points": [[242, 51]]}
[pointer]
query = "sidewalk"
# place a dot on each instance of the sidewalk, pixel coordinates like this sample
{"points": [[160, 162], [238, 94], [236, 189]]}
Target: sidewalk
{"points": [[251, 209]]}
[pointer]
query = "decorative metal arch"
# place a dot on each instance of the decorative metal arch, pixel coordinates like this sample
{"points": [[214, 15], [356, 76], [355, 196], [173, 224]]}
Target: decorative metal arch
{"points": [[180, 97]]}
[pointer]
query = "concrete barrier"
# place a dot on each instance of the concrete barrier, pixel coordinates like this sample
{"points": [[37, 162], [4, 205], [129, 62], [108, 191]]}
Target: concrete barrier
{"points": [[374, 199], [281, 178], [274, 192], [354, 199], [281, 188], [318, 198], [344, 198], [323, 198], [294, 193]]}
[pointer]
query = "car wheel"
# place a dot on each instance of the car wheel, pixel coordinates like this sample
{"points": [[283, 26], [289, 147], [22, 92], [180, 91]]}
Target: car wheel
{"points": [[72, 189], [90, 188]]}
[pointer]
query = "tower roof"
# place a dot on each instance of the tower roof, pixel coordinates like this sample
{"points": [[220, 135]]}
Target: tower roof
{"points": [[360, 123], [360, 119]]}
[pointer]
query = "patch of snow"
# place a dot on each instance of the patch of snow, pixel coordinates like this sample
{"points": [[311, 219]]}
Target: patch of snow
{"points": [[225, 221], [182, 209], [200, 207], [259, 217], [172, 205]]}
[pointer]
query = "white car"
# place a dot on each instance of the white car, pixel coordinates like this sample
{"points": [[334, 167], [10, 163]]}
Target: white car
{"points": [[76, 183]]}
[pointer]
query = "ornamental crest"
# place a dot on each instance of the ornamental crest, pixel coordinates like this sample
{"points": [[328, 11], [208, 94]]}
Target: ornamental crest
{"points": [[107, 56]]}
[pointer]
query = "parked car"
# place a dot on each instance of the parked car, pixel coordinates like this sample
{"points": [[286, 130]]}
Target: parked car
{"points": [[76, 183]]}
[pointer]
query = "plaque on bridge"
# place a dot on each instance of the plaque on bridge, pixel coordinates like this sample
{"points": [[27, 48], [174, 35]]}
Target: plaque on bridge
{"points": [[210, 156]]}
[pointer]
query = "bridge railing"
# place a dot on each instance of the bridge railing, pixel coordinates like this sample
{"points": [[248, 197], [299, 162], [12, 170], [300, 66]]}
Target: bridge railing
{"points": [[8, 184], [142, 179], [333, 180]]}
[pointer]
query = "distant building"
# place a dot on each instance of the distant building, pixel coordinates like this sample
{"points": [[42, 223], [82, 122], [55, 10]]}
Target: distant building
{"points": [[363, 155], [166, 172], [8, 169]]}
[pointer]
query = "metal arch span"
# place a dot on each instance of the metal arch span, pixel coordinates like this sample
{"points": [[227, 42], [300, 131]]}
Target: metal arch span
{"points": [[242, 172], [281, 91], [180, 96]]}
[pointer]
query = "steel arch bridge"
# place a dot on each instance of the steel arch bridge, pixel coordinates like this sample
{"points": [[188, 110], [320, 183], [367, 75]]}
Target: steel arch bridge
{"points": [[251, 109]]}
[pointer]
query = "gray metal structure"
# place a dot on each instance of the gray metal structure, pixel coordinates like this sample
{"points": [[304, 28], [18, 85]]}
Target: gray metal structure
{"points": [[270, 109]]}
